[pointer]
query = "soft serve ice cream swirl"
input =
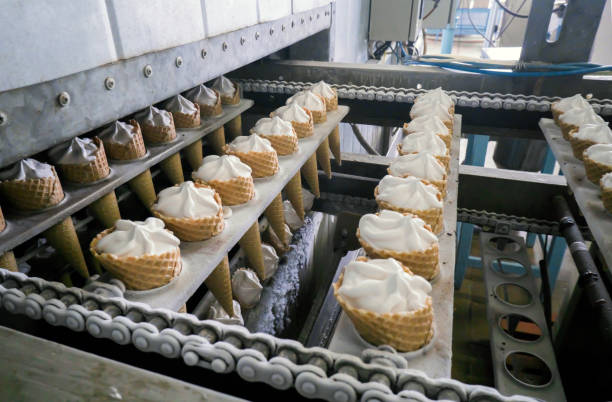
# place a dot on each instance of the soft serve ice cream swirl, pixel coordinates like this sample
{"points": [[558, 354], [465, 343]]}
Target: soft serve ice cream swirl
{"points": [[204, 96], [273, 126], [250, 143], [599, 133], [409, 193], [179, 104], [436, 95], [390, 230], [225, 86], [155, 117], [246, 287], [424, 141], [576, 101], [221, 168], [601, 153], [580, 116], [606, 181], [428, 123], [135, 238], [27, 169], [118, 133], [75, 152], [292, 112], [324, 89], [382, 286], [421, 164], [187, 201], [430, 108], [307, 100]]}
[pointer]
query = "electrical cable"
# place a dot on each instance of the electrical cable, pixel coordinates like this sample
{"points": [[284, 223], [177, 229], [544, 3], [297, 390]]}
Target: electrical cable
{"points": [[507, 10], [469, 15], [436, 3], [501, 32]]}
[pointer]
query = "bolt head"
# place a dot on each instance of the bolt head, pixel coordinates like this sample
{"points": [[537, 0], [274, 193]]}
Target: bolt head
{"points": [[242, 40], [3, 118], [283, 28], [204, 53], [148, 71], [271, 31], [109, 83], [63, 99], [224, 46], [302, 20], [178, 62], [256, 35], [292, 24], [311, 18], [318, 15]]}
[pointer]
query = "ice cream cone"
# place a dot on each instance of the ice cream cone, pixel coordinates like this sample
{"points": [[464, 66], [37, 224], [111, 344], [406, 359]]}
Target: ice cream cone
{"points": [[594, 170], [182, 309], [2, 222], [276, 216], [33, 194], [233, 127], [8, 261], [212, 110], [173, 169], [282, 144], [142, 185], [251, 244], [64, 239], [183, 120], [235, 191], [334, 144], [216, 139], [566, 129], [262, 164], [159, 134], [234, 99], [193, 153], [434, 217], [303, 130], [323, 158], [88, 172], [294, 193], [311, 174], [606, 197], [134, 149], [579, 145], [106, 210], [220, 284]]}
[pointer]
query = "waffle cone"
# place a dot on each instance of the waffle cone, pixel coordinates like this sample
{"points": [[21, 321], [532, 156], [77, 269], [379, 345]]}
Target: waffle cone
{"points": [[281, 247], [214, 110], [233, 127], [88, 172], [2, 221], [262, 164], [219, 282], [334, 144], [8, 261], [594, 169], [447, 138], [173, 169], [311, 174], [142, 186], [276, 216], [251, 244], [443, 159], [182, 309], [323, 158], [440, 184], [303, 130], [106, 210], [319, 116], [555, 112], [234, 99], [332, 102], [193, 154], [64, 239], [282, 144], [405, 332], [194, 229], [33, 194], [139, 273], [159, 135], [423, 263], [293, 190], [606, 197], [566, 128], [434, 217], [579, 145], [216, 139], [184, 120], [134, 149], [232, 192]]}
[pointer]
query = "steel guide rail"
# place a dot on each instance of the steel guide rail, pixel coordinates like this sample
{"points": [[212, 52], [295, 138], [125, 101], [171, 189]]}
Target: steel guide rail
{"points": [[23, 226], [587, 194], [435, 358], [201, 258], [484, 100]]}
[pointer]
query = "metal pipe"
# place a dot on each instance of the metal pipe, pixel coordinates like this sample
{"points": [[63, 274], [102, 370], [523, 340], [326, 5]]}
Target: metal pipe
{"points": [[364, 143], [589, 276]]}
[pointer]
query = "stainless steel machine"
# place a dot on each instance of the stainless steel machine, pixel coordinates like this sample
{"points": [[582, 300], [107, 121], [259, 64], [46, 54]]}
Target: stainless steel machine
{"points": [[69, 335]]}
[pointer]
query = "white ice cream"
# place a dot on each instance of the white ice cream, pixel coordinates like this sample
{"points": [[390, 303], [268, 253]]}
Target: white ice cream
{"points": [[390, 230], [27, 169], [307, 100], [292, 112], [118, 133], [155, 117], [74, 152], [436, 95], [430, 108], [217, 313], [273, 126], [225, 86], [428, 123], [250, 143], [409, 192], [324, 89], [270, 259], [606, 181], [382, 286], [246, 287], [136, 238], [421, 141], [576, 101], [203, 95], [221, 168], [179, 104], [601, 153], [421, 164], [291, 217], [187, 201], [579, 117], [599, 133]]}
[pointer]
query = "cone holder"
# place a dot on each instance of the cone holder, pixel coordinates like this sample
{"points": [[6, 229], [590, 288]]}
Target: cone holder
{"points": [[293, 190], [276, 216], [193, 154], [234, 127], [173, 169], [216, 139], [311, 174], [251, 244], [219, 282], [64, 239], [142, 186], [323, 158], [334, 144], [106, 210]]}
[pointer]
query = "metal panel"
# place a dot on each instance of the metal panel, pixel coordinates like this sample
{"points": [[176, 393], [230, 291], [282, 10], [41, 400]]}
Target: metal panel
{"points": [[394, 20], [144, 26], [44, 40], [305, 5], [35, 121], [222, 16], [270, 10]]}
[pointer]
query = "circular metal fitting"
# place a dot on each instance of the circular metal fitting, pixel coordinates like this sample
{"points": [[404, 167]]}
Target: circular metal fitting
{"points": [[63, 99], [109, 83], [178, 61], [224, 46], [203, 53], [148, 71], [242, 40], [283, 28], [271, 31], [256, 35], [3, 118]]}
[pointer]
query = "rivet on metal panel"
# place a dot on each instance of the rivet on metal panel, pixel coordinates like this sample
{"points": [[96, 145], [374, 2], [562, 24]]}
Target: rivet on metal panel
{"points": [[148, 71], [301, 20], [271, 31], [242, 40], [256, 35], [109, 83], [63, 99], [311, 18], [3, 118], [292, 24], [318, 15], [224, 46], [283, 27], [178, 61], [204, 53]]}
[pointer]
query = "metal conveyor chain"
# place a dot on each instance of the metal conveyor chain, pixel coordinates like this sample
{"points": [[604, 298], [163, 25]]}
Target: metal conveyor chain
{"points": [[484, 100], [314, 372]]}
